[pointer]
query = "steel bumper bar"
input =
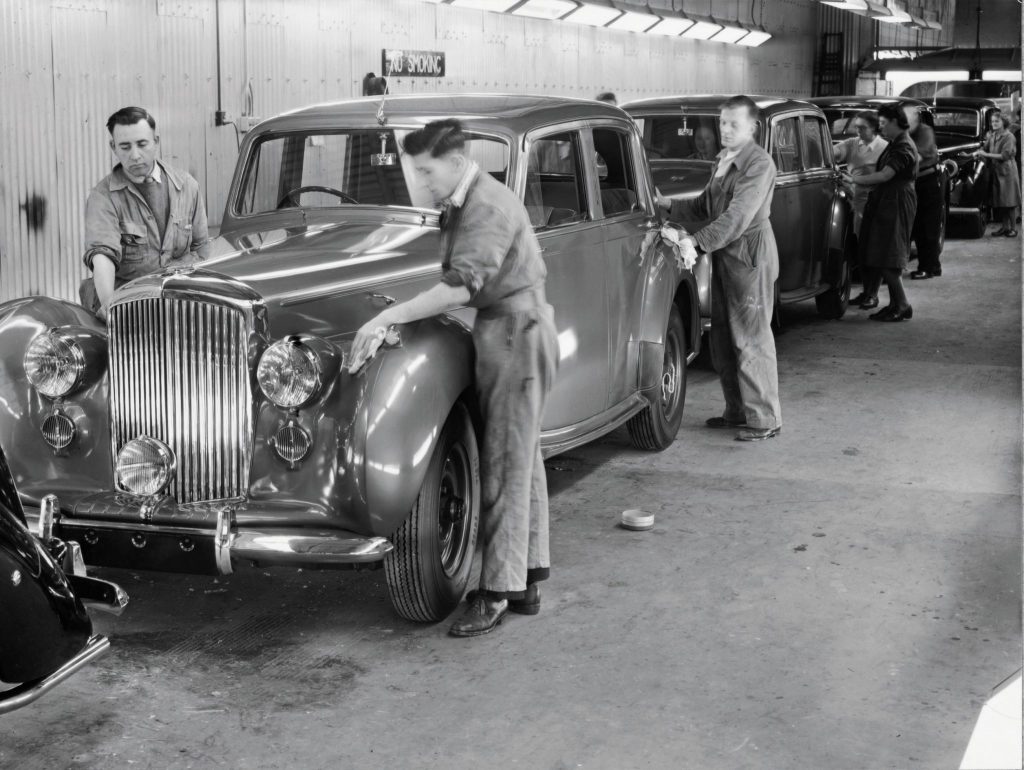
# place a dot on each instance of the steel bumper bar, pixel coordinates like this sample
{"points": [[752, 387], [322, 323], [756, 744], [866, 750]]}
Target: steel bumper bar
{"points": [[26, 693]]}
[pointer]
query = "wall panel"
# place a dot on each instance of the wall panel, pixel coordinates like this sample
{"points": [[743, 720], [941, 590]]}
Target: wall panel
{"points": [[58, 67]]}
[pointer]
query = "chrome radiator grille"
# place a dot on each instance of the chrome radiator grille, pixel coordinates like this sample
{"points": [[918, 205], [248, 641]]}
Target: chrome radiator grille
{"points": [[179, 372]]}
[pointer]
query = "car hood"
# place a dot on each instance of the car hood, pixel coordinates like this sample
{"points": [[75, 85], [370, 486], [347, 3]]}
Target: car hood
{"points": [[304, 272]]}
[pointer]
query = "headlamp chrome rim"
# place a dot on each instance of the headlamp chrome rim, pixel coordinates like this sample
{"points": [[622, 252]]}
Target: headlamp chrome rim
{"points": [[131, 459], [52, 385], [290, 394]]}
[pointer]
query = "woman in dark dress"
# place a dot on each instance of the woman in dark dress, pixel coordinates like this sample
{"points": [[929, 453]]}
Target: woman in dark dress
{"points": [[1000, 149], [889, 215]]}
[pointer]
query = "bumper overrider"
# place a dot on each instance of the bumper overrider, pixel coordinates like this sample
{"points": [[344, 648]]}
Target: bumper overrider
{"points": [[117, 529]]}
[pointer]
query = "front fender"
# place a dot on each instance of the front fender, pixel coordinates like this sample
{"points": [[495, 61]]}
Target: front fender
{"points": [[664, 284], [86, 465], [840, 227], [400, 421]]}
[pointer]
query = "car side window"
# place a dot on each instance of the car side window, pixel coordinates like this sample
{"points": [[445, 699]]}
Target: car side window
{"points": [[786, 145], [555, 193], [615, 173], [814, 150]]}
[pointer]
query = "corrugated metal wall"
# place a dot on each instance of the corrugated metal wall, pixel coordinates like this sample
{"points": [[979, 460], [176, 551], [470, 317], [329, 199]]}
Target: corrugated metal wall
{"points": [[62, 74]]}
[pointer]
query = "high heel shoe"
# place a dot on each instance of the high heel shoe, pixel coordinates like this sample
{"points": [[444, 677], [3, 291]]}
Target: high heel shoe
{"points": [[881, 314], [899, 315]]}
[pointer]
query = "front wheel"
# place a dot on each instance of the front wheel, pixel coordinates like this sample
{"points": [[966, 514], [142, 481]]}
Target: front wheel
{"points": [[656, 426], [430, 565]]}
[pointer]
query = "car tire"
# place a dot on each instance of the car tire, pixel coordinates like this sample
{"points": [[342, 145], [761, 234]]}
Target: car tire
{"points": [[655, 428], [974, 225], [430, 565], [833, 302]]}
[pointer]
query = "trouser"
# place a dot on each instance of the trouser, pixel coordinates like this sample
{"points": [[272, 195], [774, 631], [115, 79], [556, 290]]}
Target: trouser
{"points": [[928, 222], [516, 359], [742, 345]]}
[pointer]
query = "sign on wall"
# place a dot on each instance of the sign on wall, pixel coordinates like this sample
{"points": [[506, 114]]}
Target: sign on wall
{"points": [[400, 63]]}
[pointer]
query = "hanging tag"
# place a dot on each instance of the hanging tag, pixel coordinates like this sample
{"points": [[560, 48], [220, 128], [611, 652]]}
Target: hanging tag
{"points": [[685, 130], [383, 158]]}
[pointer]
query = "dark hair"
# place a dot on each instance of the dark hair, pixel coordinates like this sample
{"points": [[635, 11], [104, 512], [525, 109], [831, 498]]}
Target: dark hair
{"points": [[607, 96], [129, 116], [893, 112], [368, 79], [439, 137], [870, 117], [998, 114], [741, 100]]}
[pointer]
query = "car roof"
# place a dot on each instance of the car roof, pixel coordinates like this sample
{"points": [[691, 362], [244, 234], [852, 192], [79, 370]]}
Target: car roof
{"points": [[513, 112], [711, 102], [864, 101], [962, 101]]}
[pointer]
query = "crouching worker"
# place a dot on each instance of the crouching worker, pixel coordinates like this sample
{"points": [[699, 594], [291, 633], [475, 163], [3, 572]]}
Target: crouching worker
{"points": [[491, 261]]}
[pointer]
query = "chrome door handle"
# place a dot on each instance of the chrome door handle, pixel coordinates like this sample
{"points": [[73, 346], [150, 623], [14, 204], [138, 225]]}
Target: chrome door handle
{"points": [[387, 300]]}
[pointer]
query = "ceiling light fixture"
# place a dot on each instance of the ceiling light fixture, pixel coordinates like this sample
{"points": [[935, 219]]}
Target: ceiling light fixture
{"points": [[756, 37], [593, 15], [499, 6], [633, 22], [672, 26], [847, 5], [545, 9], [728, 34], [702, 30]]}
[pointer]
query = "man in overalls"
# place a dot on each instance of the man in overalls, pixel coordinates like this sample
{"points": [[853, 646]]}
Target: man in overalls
{"points": [[141, 217], [745, 266], [491, 261]]}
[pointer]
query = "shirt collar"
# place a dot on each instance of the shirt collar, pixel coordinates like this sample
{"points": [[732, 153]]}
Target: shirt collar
{"points": [[872, 144], [731, 156], [458, 198]]}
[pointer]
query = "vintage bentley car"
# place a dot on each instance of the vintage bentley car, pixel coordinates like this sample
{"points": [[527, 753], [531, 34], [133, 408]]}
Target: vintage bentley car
{"points": [[811, 216], [213, 425], [45, 632], [959, 129]]}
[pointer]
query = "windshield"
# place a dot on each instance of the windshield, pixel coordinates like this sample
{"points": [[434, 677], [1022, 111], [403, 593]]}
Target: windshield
{"points": [[956, 121], [327, 169], [681, 137]]}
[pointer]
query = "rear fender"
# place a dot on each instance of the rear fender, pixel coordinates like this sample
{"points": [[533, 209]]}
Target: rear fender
{"points": [[85, 466], [840, 229]]}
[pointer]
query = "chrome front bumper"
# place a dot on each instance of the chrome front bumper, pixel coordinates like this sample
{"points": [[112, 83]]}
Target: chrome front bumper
{"points": [[120, 541], [26, 693]]}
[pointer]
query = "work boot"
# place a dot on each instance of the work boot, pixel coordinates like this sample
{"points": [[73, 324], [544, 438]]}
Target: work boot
{"points": [[757, 434], [528, 605], [481, 617]]}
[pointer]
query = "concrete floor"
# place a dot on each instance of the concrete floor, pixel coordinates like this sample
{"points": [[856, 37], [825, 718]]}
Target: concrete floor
{"points": [[844, 596]]}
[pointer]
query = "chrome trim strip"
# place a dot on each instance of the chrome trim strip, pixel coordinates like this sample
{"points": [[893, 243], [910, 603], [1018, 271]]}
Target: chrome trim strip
{"points": [[563, 439], [26, 693], [295, 548]]}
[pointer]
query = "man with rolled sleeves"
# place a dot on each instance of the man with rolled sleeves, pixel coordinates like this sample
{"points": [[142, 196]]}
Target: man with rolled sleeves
{"points": [[745, 265], [930, 199], [142, 217], [491, 261]]}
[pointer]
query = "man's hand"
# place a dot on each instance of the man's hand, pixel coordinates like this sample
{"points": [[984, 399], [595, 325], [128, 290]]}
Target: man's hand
{"points": [[368, 340]]}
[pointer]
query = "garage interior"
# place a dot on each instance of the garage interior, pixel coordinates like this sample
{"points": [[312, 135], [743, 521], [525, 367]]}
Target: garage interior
{"points": [[847, 595]]}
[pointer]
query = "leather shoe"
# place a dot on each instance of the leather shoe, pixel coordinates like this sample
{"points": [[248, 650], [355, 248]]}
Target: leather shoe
{"points": [[757, 434], [859, 299], [1010, 233], [920, 275], [881, 314], [869, 303], [528, 605], [899, 315], [721, 422], [481, 617], [1000, 231]]}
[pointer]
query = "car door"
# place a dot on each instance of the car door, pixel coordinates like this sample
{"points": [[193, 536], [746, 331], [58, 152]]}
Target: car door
{"points": [[625, 222], [786, 148], [817, 193], [557, 199]]}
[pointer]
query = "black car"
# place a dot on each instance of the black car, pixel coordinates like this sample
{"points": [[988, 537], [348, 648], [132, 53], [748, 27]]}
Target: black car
{"points": [[45, 631], [958, 132]]}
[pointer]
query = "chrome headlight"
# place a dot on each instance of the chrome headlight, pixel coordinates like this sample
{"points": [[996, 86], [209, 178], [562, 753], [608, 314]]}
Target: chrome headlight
{"points": [[145, 466], [293, 371], [54, 364]]}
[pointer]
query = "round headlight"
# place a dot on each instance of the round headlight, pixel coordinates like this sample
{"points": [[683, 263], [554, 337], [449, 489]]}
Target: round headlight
{"points": [[54, 364], [145, 466], [289, 373], [58, 430], [292, 443]]}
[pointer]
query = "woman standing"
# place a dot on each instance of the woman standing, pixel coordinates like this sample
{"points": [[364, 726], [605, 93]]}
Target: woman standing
{"points": [[884, 243], [1000, 149], [860, 153]]}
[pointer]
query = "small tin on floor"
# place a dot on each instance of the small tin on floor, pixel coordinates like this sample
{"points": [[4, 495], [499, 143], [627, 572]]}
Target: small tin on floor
{"points": [[636, 519]]}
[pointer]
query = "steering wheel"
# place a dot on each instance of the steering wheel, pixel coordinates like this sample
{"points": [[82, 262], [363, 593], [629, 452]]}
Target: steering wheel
{"points": [[290, 195]]}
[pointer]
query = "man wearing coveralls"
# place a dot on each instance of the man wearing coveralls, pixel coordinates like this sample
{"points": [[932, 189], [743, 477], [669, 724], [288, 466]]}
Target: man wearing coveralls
{"points": [[141, 217], [491, 261], [745, 265]]}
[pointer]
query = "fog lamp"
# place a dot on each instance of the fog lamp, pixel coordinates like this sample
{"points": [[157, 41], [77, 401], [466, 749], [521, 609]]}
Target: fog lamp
{"points": [[145, 466], [292, 442], [54, 364], [289, 373], [58, 430]]}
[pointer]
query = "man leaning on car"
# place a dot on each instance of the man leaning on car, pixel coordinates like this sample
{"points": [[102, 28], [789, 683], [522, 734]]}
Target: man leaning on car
{"points": [[142, 216]]}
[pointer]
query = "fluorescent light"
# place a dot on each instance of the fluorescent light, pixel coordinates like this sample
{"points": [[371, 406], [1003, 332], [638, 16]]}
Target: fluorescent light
{"points": [[1001, 75], [874, 10], [755, 38], [702, 30], [634, 22], [671, 26], [847, 5], [545, 9], [594, 15], [484, 5], [896, 16], [728, 34]]}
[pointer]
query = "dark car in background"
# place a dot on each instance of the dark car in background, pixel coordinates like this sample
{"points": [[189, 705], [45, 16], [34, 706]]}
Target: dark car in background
{"points": [[46, 634], [956, 123], [811, 215]]}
